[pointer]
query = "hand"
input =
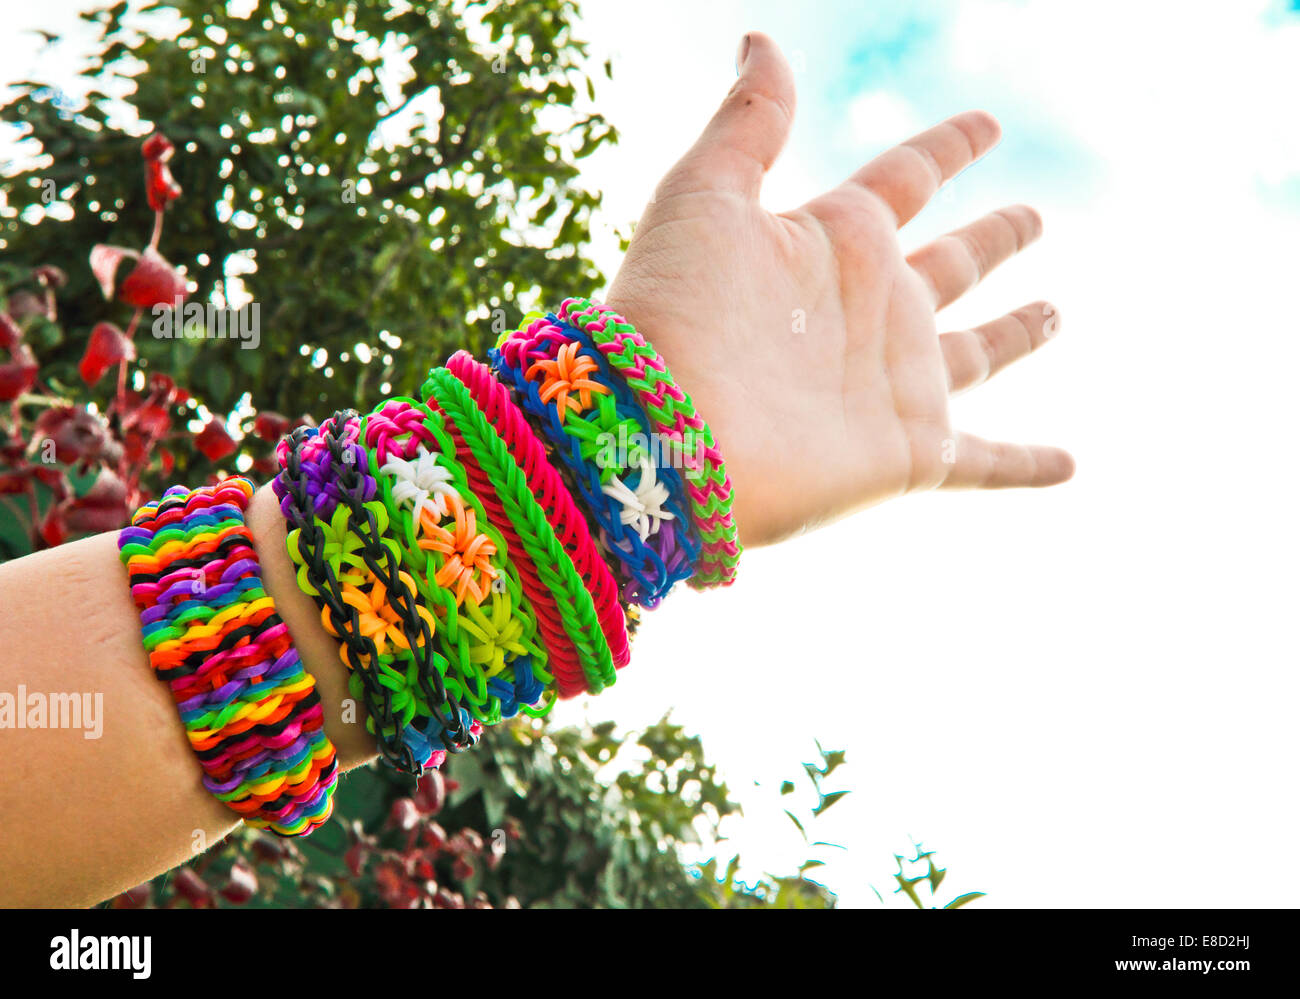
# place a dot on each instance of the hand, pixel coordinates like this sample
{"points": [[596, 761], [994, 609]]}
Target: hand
{"points": [[807, 339]]}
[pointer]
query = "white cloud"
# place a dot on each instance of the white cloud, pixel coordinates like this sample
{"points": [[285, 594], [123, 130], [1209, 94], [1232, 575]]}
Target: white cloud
{"points": [[878, 118]]}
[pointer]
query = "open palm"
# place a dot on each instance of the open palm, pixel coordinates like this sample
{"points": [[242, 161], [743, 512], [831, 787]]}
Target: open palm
{"points": [[807, 339]]}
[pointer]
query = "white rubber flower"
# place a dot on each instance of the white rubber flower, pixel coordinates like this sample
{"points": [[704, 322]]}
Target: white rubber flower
{"points": [[644, 507], [422, 482]]}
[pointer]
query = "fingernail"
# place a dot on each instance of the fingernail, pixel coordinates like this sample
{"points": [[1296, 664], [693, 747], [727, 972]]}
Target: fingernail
{"points": [[742, 54]]}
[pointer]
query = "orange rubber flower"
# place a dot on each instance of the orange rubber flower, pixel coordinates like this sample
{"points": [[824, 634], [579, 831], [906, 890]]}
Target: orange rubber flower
{"points": [[377, 619], [467, 552], [566, 375]]}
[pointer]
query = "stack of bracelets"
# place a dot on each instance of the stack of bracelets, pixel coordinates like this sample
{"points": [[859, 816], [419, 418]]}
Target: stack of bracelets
{"points": [[476, 555]]}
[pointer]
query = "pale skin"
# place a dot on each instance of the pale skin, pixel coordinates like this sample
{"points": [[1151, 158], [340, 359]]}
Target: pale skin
{"points": [[854, 407]]}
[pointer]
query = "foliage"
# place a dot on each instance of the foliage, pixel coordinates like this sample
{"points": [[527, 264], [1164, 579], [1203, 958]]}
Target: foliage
{"points": [[527, 819], [932, 878], [345, 203], [358, 171], [791, 891]]}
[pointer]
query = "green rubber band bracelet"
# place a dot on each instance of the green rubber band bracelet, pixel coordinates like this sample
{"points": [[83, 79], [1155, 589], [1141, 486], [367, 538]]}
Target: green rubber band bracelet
{"points": [[455, 623], [553, 564]]}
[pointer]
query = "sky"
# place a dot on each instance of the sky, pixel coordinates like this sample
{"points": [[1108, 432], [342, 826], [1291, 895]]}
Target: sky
{"points": [[1079, 697]]}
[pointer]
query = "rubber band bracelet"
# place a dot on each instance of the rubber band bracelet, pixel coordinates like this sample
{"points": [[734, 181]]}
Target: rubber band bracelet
{"points": [[459, 561], [328, 558], [482, 449], [552, 495], [250, 710], [565, 662], [353, 572], [673, 414], [641, 510]]}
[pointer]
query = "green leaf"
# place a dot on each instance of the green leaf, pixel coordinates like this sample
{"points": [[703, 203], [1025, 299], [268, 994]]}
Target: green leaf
{"points": [[962, 900], [828, 800], [833, 760]]}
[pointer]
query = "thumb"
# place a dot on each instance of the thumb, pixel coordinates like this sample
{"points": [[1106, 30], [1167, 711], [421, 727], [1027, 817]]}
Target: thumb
{"points": [[745, 136]]}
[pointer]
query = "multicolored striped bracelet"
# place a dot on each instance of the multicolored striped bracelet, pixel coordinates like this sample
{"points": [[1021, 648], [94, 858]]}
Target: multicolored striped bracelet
{"points": [[606, 444], [562, 591], [250, 710], [353, 570], [673, 415], [552, 495], [459, 562]]}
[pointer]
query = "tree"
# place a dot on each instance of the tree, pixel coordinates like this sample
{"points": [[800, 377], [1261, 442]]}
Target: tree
{"points": [[367, 175], [355, 202], [530, 818]]}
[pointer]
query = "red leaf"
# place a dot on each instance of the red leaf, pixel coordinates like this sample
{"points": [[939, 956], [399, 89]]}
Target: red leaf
{"points": [[268, 849], [242, 883], [54, 480], [133, 446], [431, 793], [270, 426], [11, 334], [74, 432], [160, 185], [104, 260], [108, 346], [14, 482], [152, 282], [157, 148], [24, 303], [53, 531], [18, 375], [435, 837], [214, 442], [192, 887], [153, 420], [402, 814], [49, 276], [162, 387], [103, 508]]}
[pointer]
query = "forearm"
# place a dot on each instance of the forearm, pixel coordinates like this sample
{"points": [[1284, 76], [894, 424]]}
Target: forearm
{"points": [[86, 813]]}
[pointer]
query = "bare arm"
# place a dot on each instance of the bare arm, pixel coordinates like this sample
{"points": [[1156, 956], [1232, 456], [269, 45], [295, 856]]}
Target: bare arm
{"points": [[82, 819]]}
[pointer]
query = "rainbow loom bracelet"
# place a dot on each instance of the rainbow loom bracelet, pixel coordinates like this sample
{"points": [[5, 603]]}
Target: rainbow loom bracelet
{"points": [[638, 503], [551, 494], [352, 568], [459, 562], [484, 449], [673, 414], [251, 712]]}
